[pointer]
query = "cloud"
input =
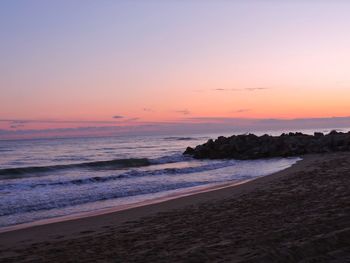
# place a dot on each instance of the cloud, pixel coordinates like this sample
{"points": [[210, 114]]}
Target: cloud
{"points": [[275, 124], [245, 89], [184, 112], [256, 89], [133, 119], [16, 126], [226, 126], [147, 109], [241, 110], [18, 121], [221, 89], [48, 121], [117, 117]]}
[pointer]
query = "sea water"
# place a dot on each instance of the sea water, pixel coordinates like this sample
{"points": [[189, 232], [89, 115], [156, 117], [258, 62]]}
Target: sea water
{"points": [[51, 178]]}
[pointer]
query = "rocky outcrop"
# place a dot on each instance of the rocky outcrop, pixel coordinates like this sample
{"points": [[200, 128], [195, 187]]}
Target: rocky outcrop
{"points": [[250, 146]]}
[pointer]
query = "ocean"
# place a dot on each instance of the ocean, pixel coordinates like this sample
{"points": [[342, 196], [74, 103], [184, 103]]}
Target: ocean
{"points": [[52, 178]]}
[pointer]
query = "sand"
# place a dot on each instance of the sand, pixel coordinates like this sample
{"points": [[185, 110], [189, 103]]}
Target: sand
{"points": [[301, 214]]}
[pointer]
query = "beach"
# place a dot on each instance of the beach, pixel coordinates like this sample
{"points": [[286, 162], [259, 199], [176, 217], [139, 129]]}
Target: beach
{"points": [[175, 131], [301, 214]]}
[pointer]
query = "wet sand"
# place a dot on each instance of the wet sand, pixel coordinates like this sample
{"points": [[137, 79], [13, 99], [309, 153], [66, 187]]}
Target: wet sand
{"points": [[301, 214]]}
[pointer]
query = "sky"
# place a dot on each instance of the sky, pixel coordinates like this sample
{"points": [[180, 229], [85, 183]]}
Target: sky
{"points": [[126, 64]]}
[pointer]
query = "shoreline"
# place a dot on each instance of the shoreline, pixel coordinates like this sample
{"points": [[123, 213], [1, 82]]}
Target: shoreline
{"points": [[115, 209], [105, 211], [125, 213], [287, 216]]}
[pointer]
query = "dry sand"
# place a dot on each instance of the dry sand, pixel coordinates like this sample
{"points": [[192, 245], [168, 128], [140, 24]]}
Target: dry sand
{"points": [[301, 214]]}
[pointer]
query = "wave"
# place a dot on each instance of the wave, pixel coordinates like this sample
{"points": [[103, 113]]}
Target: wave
{"points": [[180, 138], [17, 172], [128, 174], [136, 173], [5, 150], [47, 204], [174, 158]]}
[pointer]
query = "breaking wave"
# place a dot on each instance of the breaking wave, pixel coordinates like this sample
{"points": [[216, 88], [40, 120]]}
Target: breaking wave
{"points": [[18, 172]]}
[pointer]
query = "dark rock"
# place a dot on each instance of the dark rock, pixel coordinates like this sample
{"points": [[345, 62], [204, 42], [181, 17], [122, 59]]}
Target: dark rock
{"points": [[189, 151], [333, 132], [250, 146]]}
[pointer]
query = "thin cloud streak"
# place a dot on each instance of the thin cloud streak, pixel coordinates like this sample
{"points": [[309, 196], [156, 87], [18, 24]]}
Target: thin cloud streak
{"points": [[256, 89], [52, 121], [188, 125], [184, 112], [244, 89], [22, 121], [221, 89], [241, 110]]}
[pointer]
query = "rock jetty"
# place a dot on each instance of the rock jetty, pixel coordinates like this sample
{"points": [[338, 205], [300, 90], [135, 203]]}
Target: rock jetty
{"points": [[250, 146]]}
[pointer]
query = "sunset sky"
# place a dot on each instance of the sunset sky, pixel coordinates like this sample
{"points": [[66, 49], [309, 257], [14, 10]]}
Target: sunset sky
{"points": [[70, 64]]}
